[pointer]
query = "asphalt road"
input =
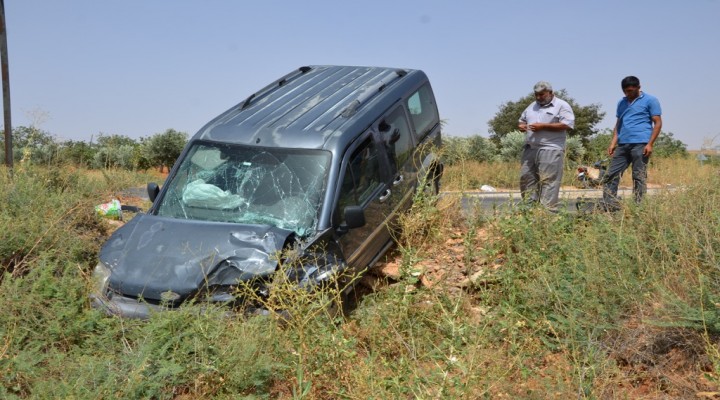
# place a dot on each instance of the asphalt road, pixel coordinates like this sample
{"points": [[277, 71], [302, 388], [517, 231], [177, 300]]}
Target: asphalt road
{"points": [[568, 197]]}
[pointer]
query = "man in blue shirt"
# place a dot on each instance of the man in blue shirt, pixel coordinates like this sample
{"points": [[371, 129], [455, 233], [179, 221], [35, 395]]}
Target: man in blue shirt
{"points": [[638, 126]]}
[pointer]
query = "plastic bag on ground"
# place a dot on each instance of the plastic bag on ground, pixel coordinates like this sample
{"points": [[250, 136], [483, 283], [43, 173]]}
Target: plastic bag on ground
{"points": [[111, 209], [487, 188]]}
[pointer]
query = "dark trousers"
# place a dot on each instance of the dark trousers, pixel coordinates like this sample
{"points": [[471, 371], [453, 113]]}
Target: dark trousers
{"points": [[624, 155]]}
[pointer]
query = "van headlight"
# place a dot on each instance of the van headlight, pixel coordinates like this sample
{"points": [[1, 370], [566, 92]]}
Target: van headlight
{"points": [[319, 274], [326, 274], [100, 277]]}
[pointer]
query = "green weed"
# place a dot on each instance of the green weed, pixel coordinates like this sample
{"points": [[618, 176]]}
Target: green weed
{"points": [[614, 305]]}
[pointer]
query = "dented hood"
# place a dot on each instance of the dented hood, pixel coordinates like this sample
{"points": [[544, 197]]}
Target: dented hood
{"points": [[150, 255]]}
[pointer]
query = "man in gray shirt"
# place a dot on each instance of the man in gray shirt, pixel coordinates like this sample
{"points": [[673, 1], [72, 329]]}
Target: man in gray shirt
{"points": [[546, 122]]}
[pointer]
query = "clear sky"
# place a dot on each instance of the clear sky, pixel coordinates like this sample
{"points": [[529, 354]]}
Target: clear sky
{"points": [[136, 68]]}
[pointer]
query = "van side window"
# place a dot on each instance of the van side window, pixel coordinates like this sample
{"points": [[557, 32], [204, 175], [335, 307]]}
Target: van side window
{"points": [[395, 133], [362, 176], [423, 111]]}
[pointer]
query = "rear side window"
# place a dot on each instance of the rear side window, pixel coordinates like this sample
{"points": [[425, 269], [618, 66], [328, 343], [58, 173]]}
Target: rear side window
{"points": [[395, 134], [423, 110], [362, 176]]}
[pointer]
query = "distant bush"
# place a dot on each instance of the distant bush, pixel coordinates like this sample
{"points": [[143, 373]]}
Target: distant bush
{"points": [[512, 146], [597, 146], [574, 149], [115, 157], [473, 148], [667, 146], [77, 153], [481, 149], [32, 146]]}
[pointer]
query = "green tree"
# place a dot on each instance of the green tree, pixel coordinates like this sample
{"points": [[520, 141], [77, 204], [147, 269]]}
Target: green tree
{"points": [[141, 156], [114, 141], [506, 119], [114, 151], [32, 145], [667, 146], [162, 149], [77, 152], [28, 136]]}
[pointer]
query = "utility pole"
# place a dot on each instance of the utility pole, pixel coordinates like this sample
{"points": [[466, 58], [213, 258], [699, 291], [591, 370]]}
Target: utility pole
{"points": [[5, 87]]}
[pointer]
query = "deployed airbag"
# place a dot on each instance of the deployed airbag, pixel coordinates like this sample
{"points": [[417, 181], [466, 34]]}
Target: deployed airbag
{"points": [[200, 194]]}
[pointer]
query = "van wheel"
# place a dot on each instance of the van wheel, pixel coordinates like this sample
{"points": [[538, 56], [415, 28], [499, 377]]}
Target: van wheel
{"points": [[339, 306], [432, 181]]}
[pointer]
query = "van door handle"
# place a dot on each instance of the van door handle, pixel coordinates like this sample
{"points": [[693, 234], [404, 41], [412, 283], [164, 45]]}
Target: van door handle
{"points": [[386, 195], [398, 180]]}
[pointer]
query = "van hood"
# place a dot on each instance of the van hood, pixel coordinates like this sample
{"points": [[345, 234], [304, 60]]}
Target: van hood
{"points": [[151, 255]]}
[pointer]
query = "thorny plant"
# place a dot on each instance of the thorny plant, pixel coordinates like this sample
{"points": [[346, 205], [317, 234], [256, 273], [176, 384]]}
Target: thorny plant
{"points": [[300, 303]]}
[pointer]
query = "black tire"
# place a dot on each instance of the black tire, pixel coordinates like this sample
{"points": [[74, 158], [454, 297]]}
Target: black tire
{"points": [[433, 180]]}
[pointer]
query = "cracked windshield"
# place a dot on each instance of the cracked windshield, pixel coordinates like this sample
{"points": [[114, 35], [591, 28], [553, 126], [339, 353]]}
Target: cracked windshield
{"points": [[248, 185]]}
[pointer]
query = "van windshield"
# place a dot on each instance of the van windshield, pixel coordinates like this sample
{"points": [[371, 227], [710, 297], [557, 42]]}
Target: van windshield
{"points": [[249, 185]]}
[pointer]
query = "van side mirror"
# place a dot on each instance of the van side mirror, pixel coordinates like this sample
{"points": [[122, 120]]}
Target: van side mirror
{"points": [[354, 218], [153, 190]]}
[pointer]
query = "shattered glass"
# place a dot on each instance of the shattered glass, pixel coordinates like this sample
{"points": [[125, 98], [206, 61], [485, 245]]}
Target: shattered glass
{"points": [[248, 185]]}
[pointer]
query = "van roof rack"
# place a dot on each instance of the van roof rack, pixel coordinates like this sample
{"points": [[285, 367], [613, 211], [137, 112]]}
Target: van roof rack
{"points": [[280, 82], [351, 109]]}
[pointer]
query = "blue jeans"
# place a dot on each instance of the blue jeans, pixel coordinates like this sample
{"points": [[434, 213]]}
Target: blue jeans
{"points": [[624, 155]]}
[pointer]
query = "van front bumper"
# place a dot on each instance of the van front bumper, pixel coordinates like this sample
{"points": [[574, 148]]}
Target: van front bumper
{"points": [[124, 306]]}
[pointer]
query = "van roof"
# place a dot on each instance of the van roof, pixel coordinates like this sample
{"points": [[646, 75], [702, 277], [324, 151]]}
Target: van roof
{"points": [[313, 107]]}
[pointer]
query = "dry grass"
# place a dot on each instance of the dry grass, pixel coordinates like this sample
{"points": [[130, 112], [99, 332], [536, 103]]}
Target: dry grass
{"points": [[680, 171], [470, 175], [612, 306]]}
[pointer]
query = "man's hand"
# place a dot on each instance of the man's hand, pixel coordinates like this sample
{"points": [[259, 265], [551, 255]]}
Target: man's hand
{"points": [[536, 126], [611, 149], [647, 150]]}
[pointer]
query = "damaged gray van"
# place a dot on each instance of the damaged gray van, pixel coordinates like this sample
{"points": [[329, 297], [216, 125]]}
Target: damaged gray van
{"points": [[321, 161]]}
